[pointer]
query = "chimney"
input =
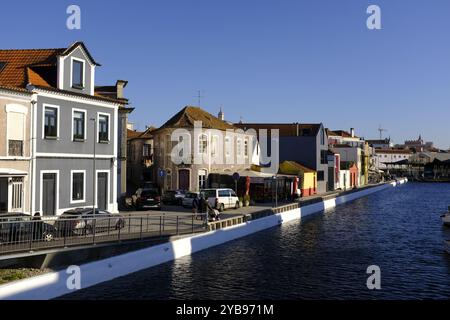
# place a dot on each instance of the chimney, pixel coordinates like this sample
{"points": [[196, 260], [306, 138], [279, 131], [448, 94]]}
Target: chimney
{"points": [[120, 85], [352, 132]]}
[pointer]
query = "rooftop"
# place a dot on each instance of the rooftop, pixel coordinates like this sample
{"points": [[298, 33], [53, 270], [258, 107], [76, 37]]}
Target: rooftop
{"points": [[286, 129], [187, 116], [38, 67]]}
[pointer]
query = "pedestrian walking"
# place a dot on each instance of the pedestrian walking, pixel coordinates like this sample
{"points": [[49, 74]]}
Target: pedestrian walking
{"points": [[195, 205]]}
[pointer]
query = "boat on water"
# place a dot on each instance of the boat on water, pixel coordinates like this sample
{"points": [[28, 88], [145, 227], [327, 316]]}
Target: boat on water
{"points": [[446, 218]]}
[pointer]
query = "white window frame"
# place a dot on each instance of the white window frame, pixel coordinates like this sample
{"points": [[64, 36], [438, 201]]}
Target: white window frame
{"points": [[72, 59], [200, 143], [85, 122], [239, 147], [98, 126], [214, 145], [71, 186], [201, 175], [246, 148], [53, 106], [227, 146]]}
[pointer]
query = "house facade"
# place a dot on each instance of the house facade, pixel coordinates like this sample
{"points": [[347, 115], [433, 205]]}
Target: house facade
{"points": [[140, 158], [222, 148], [15, 151], [383, 157], [73, 128], [306, 144]]}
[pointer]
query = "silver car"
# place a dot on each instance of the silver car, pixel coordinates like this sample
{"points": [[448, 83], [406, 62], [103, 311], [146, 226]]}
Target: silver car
{"points": [[189, 199], [82, 221]]}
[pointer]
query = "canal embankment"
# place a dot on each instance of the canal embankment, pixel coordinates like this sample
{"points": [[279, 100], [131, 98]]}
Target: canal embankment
{"points": [[54, 284]]}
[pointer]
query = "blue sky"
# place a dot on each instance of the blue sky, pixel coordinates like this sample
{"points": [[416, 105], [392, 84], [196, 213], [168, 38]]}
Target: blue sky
{"points": [[264, 61]]}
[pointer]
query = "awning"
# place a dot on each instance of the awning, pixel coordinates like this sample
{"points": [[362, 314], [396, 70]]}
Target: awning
{"points": [[11, 172]]}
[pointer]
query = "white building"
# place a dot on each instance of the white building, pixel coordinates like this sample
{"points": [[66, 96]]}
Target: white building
{"points": [[384, 156]]}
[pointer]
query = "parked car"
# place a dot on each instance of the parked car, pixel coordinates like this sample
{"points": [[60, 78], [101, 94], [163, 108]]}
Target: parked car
{"points": [[147, 199], [189, 199], [221, 199], [174, 197], [150, 185], [82, 221], [18, 227]]}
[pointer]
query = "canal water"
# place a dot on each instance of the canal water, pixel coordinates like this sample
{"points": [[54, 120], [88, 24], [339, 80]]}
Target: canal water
{"points": [[323, 257]]}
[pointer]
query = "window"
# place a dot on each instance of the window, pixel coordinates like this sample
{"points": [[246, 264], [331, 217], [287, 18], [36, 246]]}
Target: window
{"points": [[214, 145], [224, 193], [79, 120], [15, 148], [323, 156], [201, 179], [239, 147], [103, 128], [320, 176], [17, 194], [77, 74], [78, 186], [202, 144], [246, 147], [51, 123], [227, 146], [146, 150]]}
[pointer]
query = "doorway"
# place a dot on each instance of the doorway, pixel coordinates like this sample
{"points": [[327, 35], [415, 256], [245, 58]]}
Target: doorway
{"points": [[102, 190]]}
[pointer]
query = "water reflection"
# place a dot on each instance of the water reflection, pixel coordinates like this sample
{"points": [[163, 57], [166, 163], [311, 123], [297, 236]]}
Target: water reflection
{"points": [[322, 257]]}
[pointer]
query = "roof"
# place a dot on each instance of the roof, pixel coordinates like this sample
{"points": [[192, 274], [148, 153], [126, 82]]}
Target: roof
{"points": [[38, 67], [285, 129], [393, 151], [341, 133], [187, 116], [147, 134], [347, 165], [293, 167], [382, 141], [17, 63]]}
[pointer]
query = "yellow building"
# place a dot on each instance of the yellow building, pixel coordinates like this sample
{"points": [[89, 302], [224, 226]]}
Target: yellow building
{"points": [[307, 177]]}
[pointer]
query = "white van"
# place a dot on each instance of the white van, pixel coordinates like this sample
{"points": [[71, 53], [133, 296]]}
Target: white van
{"points": [[221, 199]]}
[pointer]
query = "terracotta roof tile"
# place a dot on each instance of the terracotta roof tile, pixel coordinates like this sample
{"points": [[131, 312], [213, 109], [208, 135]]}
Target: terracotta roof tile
{"points": [[14, 72]]}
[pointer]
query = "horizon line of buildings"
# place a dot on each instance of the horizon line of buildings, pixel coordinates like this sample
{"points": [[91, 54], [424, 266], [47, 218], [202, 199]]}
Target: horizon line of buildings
{"points": [[67, 143]]}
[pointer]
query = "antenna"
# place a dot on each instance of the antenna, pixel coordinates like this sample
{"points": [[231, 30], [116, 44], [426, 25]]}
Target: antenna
{"points": [[381, 130], [199, 97]]}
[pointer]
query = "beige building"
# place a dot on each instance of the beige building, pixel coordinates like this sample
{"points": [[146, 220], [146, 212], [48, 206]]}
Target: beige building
{"points": [[218, 147], [15, 150]]}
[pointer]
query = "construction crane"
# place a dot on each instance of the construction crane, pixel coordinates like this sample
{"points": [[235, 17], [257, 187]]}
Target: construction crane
{"points": [[381, 130]]}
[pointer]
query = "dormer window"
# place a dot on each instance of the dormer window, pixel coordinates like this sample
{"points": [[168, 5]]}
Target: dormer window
{"points": [[2, 65], [77, 74]]}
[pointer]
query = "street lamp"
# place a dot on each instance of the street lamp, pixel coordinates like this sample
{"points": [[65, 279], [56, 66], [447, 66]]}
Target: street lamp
{"points": [[93, 165]]}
